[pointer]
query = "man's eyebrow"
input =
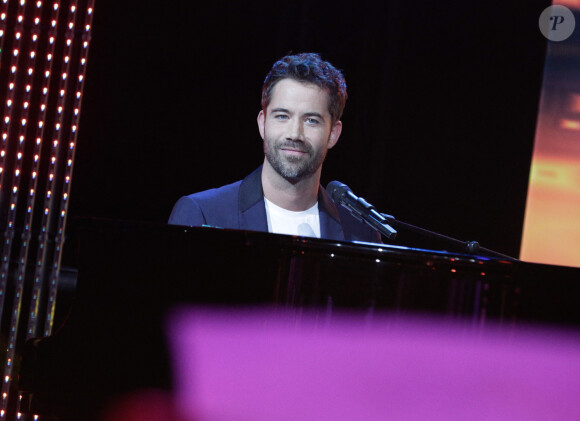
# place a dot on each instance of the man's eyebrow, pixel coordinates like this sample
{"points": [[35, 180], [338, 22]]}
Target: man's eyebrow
{"points": [[280, 110], [320, 116]]}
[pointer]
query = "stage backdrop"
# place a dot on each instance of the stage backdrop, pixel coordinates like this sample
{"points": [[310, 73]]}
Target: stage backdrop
{"points": [[552, 223]]}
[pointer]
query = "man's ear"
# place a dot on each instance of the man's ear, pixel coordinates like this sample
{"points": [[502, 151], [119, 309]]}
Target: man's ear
{"points": [[334, 134], [261, 122]]}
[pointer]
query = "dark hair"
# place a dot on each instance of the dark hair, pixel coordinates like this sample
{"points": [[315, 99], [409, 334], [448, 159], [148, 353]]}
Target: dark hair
{"points": [[308, 68]]}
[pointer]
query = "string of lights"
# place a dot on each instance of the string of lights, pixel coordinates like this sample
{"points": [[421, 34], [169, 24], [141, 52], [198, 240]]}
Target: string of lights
{"points": [[41, 48]]}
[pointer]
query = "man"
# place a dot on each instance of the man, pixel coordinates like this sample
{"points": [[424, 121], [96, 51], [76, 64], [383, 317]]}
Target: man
{"points": [[303, 98]]}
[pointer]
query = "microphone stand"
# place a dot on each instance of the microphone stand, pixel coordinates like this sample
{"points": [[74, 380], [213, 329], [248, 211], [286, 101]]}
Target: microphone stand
{"points": [[469, 246]]}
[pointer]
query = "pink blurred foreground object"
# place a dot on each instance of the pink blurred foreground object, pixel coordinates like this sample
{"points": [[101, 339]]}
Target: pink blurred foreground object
{"points": [[261, 365]]}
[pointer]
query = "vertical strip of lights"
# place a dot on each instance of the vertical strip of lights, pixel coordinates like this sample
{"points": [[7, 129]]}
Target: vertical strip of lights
{"points": [[68, 167], [7, 126], [55, 152], [3, 16], [16, 75], [33, 180], [25, 79]]}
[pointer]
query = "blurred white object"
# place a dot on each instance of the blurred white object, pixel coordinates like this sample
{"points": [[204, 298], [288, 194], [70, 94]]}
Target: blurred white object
{"points": [[260, 365]]}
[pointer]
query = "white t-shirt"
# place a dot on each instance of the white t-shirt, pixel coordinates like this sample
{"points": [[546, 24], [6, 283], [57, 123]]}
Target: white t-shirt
{"points": [[282, 221]]}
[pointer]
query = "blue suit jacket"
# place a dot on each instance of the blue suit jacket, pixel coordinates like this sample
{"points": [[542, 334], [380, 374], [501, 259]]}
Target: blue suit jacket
{"points": [[241, 206]]}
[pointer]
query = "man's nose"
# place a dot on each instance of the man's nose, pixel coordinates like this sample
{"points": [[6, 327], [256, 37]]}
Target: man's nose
{"points": [[296, 131]]}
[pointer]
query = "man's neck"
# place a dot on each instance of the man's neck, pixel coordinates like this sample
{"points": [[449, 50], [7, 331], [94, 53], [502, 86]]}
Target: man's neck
{"points": [[295, 196]]}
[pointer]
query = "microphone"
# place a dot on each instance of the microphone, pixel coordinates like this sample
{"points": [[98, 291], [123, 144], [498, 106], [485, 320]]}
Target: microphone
{"points": [[362, 210]]}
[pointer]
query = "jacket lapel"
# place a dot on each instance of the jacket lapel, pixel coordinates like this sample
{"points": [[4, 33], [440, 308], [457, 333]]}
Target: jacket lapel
{"points": [[330, 226], [251, 207]]}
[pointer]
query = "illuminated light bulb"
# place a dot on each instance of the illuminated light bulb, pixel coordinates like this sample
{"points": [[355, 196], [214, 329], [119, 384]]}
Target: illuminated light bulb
{"points": [[9, 102], [38, 141], [71, 25], [36, 22], [11, 85], [57, 127], [17, 172], [4, 137], [65, 196], [31, 193], [78, 94], [14, 189], [19, 155], [55, 6], [40, 124], [17, 35], [42, 107], [33, 176], [24, 122], [49, 57], [88, 27], [72, 8], [39, 4], [48, 193], [74, 129], [21, 138], [36, 158], [53, 160], [85, 44], [44, 91], [69, 162], [51, 40], [27, 88], [90, 10], [59, 109], [83, 61], [20, 18], [55, 143], [26, 104], [53, 23], [15, 53], [3, 16], [6, 119], [30, 71], [76, 111], [68, 42], [12, 206], [80, 78], [62, 92], [64, 75], [34, 37], [67, 179], [46, 211], [32, 54], [13, 69]]}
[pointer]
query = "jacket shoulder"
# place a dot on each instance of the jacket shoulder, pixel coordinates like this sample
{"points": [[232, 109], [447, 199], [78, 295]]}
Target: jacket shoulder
{"points": [[216, 207]]}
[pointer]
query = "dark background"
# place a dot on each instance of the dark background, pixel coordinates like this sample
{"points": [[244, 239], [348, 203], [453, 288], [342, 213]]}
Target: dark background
{"points": [[438, 128]]}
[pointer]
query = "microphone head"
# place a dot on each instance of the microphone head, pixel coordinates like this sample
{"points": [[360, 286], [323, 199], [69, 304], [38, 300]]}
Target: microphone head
{"points": [[336, 190]]}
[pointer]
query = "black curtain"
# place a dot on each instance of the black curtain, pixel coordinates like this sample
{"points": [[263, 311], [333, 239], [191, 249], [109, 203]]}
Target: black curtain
{"points": [[438, 128]]}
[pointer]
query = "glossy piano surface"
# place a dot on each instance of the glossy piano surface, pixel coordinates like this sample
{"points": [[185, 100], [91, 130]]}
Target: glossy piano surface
{"points": [[131, 274]]}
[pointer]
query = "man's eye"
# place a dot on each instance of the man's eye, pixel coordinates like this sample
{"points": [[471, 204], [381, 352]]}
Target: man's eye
{"points": [[281, 117], [312, 121]]}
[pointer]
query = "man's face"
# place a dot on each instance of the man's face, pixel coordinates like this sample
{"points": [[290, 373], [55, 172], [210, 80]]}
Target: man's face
{"points": [[297, 129]]}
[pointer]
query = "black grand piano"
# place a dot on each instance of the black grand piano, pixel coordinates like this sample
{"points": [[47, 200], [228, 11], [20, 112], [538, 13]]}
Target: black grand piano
{"points": [[131, 274]]}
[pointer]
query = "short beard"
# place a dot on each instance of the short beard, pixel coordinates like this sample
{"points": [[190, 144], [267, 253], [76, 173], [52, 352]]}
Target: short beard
{"points": [[291, 168]]}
